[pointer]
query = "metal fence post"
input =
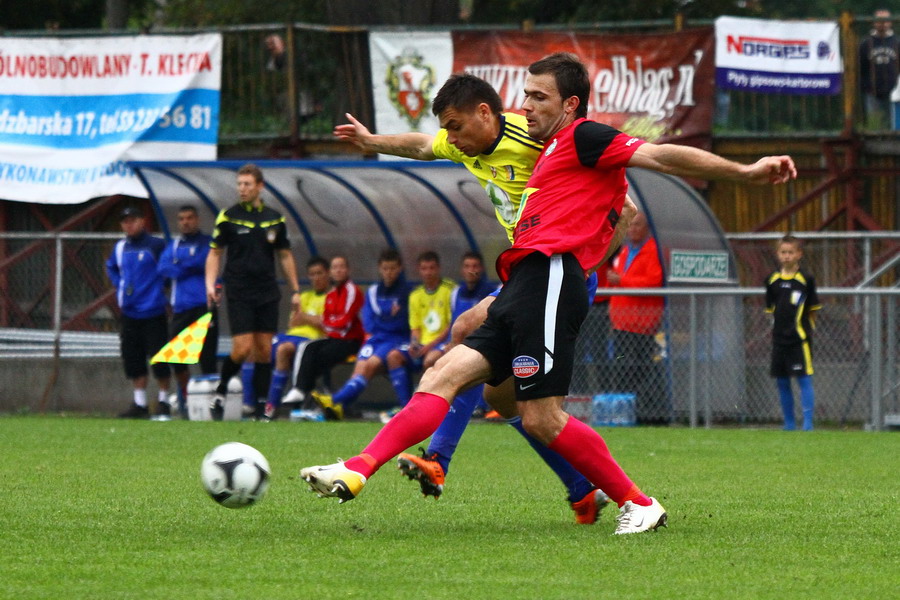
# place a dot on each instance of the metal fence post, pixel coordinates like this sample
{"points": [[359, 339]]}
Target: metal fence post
{"points": [[890, 354], [875, 352], [57, 290], [692, 363], [57, 322], [707, 376]]}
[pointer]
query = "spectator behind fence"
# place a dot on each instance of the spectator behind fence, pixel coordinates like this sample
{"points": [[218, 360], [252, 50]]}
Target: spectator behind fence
{"points": [[344, 334], [385, 317], [635, 321], [132, 269], [249, 234], [791, 298], [183, 262], [304, 325], [277, 61], [879, 68]]}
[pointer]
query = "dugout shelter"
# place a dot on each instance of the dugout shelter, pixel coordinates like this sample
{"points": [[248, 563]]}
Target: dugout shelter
{"points": [[357, 208]]}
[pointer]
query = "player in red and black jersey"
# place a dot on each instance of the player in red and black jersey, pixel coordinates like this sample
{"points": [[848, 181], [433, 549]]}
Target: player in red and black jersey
{"points": [[562, 234]]}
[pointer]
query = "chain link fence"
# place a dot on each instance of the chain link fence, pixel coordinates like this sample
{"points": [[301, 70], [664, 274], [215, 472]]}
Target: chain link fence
{"points": [[709, 362], [839, 259], [707, 365]]}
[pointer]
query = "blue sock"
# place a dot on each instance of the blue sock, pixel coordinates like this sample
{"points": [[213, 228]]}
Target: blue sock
{"points": [[444, 441], [787, 402], [350, 390], [247, 370], [276, 388], [807, 401], [402, 386], [577, 484]]}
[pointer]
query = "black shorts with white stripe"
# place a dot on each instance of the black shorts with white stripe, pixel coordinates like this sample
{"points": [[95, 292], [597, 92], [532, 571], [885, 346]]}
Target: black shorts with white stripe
{"points": [[531, 328]]}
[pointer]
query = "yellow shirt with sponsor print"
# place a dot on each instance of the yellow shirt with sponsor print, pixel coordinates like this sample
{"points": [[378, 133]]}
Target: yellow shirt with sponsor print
{"points": [[430, 311], [311, 303], [502, 170]]}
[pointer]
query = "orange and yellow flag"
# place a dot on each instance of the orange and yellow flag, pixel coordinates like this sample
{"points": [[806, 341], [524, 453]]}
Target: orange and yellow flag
{"points": [[185, 347]]}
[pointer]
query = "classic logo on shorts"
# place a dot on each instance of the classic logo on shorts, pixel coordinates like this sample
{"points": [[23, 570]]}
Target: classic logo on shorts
{"points": [[525, 366]]}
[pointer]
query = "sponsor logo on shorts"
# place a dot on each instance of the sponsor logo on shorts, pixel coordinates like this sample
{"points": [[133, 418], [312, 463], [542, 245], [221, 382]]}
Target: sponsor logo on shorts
{"points": [[525, 366]]}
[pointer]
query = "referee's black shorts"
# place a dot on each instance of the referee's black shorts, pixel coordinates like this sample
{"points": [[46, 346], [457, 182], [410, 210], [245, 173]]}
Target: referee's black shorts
{"points": [[252, 317], [531, 328], [141, 339]]}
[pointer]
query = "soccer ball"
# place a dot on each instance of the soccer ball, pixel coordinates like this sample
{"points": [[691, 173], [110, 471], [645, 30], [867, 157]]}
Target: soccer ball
{"points": [[235, 475]]}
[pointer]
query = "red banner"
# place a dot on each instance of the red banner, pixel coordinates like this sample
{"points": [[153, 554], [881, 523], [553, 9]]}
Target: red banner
{"points": [[659, 87]]}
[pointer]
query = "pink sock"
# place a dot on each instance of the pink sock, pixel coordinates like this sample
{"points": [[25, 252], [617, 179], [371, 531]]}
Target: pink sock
{"points": [[586, 450], [419, 419]]}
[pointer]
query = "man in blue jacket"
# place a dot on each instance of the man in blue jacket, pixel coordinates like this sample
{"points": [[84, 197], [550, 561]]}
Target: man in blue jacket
{"points": [[132, 269], [183, 262]]}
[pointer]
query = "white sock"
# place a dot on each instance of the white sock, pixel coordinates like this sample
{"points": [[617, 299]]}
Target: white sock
{"points": [[163, 396], [140, 397]]}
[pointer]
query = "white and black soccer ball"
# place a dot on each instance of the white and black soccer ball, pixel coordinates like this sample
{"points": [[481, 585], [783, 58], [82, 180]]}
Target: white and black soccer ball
{"points": [[235, 475]]}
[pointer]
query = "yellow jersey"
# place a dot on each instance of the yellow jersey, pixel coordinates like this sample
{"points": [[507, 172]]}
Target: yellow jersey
{"points": [[311, 303], [429, 311], [503, 170]]}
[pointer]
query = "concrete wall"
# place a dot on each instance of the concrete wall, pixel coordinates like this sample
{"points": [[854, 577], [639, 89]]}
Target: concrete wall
{"points": [[98, 386]]}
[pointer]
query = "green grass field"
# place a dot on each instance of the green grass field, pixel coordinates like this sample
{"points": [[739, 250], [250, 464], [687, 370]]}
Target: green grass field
{"points": [[99, 508]]}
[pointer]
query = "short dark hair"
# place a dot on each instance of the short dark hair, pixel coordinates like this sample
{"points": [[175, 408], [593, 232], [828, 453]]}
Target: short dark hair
{"points": [[792, 239], [472, 254], [251, 169], [316, 260], [187, 208], [464, 92], [390, 255], [571, 77], [428, 256]]}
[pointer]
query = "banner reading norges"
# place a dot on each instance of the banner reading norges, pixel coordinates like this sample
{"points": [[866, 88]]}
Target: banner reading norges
{"points": [[659, 87]]}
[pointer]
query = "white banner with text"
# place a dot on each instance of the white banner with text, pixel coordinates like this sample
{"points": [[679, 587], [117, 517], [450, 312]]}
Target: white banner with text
{"points": [[73, 111], [787, 57]]}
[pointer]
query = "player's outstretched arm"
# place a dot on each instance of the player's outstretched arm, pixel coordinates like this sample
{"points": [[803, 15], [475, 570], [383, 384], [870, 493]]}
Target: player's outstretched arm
{"points": [[408, 145], [686, 161]]}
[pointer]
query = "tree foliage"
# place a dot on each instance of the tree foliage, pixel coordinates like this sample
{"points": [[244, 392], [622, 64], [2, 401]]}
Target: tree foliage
{"points": [[90, 14]]}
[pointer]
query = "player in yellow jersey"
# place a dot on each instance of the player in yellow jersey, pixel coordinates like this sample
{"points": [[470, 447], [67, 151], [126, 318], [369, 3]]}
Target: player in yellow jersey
{"points": [[430, 316], [496, 148], [304, 324]]}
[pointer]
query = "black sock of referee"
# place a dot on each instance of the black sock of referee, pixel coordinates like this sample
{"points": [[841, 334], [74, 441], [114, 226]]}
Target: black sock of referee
{"points": [[229, 370], [262, 377]]}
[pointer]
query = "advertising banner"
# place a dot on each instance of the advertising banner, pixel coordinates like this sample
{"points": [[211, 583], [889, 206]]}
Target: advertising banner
{"points": [[787, 57], [657, 86], [74, 110]]}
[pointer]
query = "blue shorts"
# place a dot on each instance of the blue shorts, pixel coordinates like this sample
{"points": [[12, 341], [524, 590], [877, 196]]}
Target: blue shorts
{"points": [[380, 347], [412, 364], [283, 338], [591, 283]]}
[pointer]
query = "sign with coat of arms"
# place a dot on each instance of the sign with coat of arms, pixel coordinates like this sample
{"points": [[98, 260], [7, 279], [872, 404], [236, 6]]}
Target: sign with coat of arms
{"points": [[408, 68], [410, 82]]}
